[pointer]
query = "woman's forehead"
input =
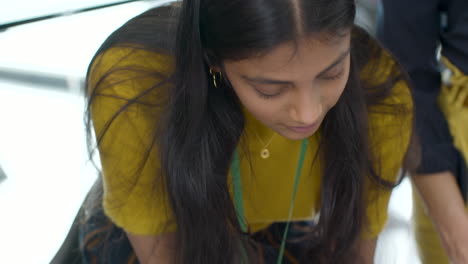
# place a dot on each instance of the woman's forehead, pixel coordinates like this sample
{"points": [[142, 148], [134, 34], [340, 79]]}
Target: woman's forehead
{"points": [[311, 53]]}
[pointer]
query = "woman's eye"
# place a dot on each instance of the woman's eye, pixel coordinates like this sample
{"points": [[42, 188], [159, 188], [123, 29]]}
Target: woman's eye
{"points": [[267, 96], [333, 76]]}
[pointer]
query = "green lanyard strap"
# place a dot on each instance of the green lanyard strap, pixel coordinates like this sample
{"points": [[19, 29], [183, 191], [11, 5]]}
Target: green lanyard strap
{"points": [[237, 184], [238, 200]]}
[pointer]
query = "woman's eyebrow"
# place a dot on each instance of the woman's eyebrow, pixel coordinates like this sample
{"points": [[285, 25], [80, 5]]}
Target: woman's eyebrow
{"points": [[337, 61], [265, 80]]}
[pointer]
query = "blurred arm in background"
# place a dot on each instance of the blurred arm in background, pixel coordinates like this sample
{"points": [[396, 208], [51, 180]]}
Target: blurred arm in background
{"points": [[412, 31]]}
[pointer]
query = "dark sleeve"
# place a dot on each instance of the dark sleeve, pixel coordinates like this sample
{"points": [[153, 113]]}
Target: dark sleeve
{"points": [[411, 31], [455, 35]]}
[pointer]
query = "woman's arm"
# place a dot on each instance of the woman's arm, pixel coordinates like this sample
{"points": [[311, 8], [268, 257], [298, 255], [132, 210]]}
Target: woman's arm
{"points": [[444, 204], [153, 249]]}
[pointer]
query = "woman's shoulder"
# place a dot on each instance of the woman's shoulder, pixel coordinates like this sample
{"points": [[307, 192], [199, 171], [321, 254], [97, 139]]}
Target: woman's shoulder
{"points": [[385, 82], [130, 72], [130, 60], [388, 96], [389, 101]]}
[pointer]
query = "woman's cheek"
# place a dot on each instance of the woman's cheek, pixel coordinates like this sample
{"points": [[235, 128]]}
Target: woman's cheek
{"points": [[333, 95]]}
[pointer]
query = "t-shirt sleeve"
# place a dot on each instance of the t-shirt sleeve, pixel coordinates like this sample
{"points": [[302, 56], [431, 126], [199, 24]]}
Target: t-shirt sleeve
{"points": [[126, 86], [390, 137], [390, 134]]}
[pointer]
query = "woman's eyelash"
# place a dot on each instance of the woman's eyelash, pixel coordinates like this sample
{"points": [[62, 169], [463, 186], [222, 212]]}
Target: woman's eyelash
{"points": [[333, 77], [266, 96]]}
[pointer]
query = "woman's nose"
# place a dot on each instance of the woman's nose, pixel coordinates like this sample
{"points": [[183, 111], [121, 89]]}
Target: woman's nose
{"points": [[306, 110]]}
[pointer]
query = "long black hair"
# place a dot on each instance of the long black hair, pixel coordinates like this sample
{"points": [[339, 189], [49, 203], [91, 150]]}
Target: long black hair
{"points": [[201, 125]]}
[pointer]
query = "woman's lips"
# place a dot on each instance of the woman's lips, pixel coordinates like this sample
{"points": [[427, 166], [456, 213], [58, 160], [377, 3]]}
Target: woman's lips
{"points": [[304, 129]]}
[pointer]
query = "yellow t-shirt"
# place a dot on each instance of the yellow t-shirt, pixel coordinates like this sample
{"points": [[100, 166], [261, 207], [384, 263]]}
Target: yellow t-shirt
{"points": [[139, 204]]}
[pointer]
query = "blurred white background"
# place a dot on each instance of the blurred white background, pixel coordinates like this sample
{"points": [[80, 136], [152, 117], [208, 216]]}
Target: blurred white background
{"points": [[42, 137]]}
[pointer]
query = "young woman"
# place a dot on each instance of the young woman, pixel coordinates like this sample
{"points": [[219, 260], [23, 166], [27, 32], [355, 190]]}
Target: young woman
{"points": [[244, 131]]}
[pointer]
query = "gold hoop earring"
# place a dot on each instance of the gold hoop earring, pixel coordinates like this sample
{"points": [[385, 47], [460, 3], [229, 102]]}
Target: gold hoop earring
{"points": [[213, 75]]}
